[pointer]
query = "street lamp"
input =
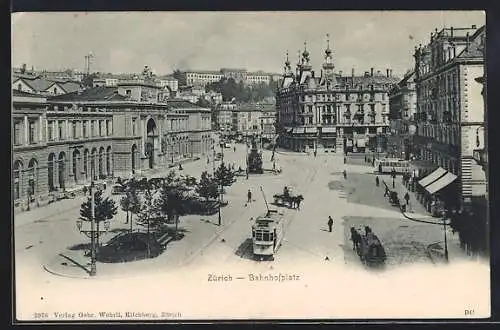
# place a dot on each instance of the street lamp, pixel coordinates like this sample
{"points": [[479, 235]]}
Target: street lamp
{"points": [[445, 237]]}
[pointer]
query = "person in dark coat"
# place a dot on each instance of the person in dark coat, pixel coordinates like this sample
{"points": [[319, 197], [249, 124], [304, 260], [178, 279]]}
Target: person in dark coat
{"points": [[249, 196], [345, 174], [377, 181], [330, 224], [407, 198]]}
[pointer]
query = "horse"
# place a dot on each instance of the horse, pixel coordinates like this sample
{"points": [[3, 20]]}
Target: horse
{"points": [[295, 201], [356, 239]]}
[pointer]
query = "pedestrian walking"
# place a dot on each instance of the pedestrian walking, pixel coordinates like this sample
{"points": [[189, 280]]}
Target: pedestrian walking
{"points": [[330, 224], [274, 166], [407, 198], [386, 193], [345, 160], [345, 174], [234, 149], [249, 196], [377, 181]]}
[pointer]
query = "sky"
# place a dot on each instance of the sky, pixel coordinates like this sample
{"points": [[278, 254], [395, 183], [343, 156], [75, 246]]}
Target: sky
{"points": [[125, 42]]}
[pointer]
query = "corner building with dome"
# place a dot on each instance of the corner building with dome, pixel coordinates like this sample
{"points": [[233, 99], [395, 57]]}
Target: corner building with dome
{"points": [[332, 111]]}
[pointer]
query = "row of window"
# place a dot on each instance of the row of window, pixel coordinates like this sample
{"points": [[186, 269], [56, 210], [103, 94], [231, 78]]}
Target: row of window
{"points": [[60, 130], [344, 97], [57, 129], [447, 135]]}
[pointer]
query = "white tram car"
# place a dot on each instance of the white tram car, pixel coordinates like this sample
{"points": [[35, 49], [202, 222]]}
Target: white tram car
{"points": [[267, 233]]}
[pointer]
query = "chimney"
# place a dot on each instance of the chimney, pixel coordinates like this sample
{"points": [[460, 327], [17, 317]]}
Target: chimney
{"points": [[387, 72], [371, 71], [474, 26]]}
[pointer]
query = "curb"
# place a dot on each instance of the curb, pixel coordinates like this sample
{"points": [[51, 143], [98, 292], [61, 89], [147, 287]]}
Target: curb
{"points": [[61, 274]]}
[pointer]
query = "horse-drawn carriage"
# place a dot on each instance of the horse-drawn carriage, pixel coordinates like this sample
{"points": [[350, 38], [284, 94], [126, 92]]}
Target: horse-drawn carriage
{"points": [[287, 199], [368, 247]]}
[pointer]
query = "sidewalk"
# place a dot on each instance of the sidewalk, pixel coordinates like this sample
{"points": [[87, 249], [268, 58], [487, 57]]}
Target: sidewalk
{"points": [[418, 213], [200, 231]]}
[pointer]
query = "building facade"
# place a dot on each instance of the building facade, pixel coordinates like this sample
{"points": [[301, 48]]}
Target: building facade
{"points": [[450, 109], [204, 77], [60, 143], [403, 107], [332, 112]]}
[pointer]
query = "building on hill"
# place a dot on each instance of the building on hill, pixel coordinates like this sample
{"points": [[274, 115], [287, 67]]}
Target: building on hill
{"points": [[333, 111]]}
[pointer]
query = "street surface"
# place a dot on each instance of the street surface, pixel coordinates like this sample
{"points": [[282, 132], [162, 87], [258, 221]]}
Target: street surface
{"points": [[312, 263]]}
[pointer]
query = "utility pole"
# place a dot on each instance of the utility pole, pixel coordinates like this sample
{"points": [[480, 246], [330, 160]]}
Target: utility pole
{"points": [[93, 269], [445, 238]]}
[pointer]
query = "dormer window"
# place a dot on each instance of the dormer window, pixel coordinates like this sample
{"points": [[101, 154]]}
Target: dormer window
{"points": [[55, 90], [19, 87]]}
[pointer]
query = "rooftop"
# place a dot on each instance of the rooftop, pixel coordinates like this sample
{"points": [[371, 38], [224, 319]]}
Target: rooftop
{"points": [[102, 93]]}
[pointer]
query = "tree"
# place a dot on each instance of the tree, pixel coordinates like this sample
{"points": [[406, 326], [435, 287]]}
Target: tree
{"points": [[104, 209], [149, 213], [207, 187], [125, 203], [224, 175], [88, 80], [177, 74], [174, 202], [203, 103]]}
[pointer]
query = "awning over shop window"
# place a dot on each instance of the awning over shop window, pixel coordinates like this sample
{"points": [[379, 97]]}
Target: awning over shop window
{"points": [[441, 183], [298, 130], [329, 130], [310, 129], [439, 172]]}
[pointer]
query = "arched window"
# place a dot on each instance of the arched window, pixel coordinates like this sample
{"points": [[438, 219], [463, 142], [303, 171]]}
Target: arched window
{"points": [[32, 177], [51, 165], [18, 168], [109, 160]]}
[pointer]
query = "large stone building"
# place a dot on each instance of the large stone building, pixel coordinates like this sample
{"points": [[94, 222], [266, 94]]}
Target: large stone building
{"points": [[61, 142], [403, 107], [450, 118], [450, 112], [204, 77], [332, 111]]}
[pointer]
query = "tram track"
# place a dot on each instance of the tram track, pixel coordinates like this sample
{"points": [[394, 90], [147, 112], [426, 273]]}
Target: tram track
{"points": [[247, 250]]}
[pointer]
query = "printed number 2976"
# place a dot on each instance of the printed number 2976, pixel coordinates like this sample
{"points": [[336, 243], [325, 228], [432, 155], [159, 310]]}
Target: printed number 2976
{"points": [[40, 315]]}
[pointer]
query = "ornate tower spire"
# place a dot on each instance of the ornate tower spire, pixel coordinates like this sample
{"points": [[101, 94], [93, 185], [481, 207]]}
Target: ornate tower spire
{"points": [[299, 64], [328, 64], [288, 68], [305, 58]]}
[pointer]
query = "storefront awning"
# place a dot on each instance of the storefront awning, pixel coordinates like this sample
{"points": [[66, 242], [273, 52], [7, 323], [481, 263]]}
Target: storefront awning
{"points": [[441, 183], [328, 130], [439, 172], [298, 130]]}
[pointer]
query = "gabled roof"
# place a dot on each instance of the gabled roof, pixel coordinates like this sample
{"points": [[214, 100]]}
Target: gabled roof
{"points": [[474, 49], [102, 93], [37, 84]]}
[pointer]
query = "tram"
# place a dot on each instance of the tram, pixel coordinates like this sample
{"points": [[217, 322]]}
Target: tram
{"points": [[267, 234], [388, 165]]}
